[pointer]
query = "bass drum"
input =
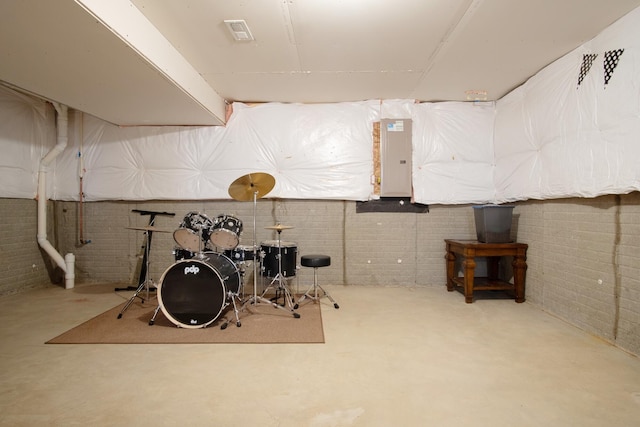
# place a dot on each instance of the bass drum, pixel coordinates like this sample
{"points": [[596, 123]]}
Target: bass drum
{"points": [[227, 269], [192, 294]]}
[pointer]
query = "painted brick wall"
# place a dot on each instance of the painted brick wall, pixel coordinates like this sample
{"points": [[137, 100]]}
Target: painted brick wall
{"points": [[399, 249], [573, 245], [22, 265], [584, 263]]}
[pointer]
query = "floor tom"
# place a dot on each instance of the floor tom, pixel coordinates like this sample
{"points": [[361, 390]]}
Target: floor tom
{"points": [[269, 251]]}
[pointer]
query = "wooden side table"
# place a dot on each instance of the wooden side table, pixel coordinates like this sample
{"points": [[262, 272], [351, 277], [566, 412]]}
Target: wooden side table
{"points": [[468, 250]]}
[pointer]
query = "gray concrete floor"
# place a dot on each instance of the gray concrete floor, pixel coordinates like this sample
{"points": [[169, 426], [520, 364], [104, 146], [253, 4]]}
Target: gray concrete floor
{"points": [[393, 357]]}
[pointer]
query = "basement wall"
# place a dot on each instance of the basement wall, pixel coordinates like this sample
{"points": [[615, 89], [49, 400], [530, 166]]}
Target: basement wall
{"points": [[23, 265], [573, 244], [584, 264], [394, 249]]}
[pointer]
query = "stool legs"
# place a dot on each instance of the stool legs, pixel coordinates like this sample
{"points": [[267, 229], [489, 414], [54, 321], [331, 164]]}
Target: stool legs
{"points": [[314, 289]]}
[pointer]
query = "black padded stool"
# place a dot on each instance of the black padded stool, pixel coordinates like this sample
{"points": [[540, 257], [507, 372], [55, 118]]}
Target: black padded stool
{"points": [[315, 261]]}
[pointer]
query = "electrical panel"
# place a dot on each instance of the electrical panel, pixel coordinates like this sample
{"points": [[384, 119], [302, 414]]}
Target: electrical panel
{"points": [[395, 158]]}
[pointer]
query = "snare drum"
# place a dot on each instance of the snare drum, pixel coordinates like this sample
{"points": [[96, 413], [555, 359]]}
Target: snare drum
{"points": [[180, 254], [226, 232], [240, 254], [289, 252], [194, 231]]}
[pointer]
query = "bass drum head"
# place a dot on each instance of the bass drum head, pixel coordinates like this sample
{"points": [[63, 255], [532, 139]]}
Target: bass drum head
{"points": [[191, 294], [227, 269]]}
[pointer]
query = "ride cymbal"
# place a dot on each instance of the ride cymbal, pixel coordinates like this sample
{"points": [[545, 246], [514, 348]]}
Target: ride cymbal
{"points": [[258, 183]]}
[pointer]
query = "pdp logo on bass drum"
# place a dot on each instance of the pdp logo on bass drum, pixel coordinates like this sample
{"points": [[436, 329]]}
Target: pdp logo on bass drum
{"points": [[191, 269]]}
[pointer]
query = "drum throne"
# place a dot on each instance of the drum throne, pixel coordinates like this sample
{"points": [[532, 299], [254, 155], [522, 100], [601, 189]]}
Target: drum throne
{"points": [[315, 261]]}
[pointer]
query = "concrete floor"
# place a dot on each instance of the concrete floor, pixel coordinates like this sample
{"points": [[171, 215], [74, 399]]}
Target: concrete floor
{"points": [[393, 357]]}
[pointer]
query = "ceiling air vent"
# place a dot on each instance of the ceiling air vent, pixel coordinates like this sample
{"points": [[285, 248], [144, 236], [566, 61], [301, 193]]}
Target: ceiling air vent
{"points": [[239, 29]]}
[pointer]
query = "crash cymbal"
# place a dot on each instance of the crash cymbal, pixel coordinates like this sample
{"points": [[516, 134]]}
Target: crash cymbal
{"points": [[258, 183], [279, 227], [149, 228]]}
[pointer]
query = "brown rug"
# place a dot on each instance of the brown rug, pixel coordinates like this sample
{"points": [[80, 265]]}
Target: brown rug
{"points": [[261, 324]]}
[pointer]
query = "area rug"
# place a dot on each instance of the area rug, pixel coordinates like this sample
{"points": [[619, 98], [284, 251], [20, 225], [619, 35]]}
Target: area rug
{"points": [[260, 324]]}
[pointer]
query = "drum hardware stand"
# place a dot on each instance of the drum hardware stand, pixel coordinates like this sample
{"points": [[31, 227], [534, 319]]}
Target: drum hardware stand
{"points": [[146, 282], [232, 296], [201, 254], [155, 313], [246, 188], [257, 299], [143, 270], [280, 279]]}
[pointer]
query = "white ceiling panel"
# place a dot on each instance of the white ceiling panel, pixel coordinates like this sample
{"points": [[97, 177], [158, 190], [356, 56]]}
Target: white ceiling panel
{"points": [[173, 61], [312, 87], [371, 35], [504, 42]]}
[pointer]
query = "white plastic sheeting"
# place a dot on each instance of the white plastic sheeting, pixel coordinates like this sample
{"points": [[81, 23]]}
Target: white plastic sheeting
{"points": [[319, 151], [557, 138], [314, 151], [453, 152], [27, 133], [549, 138]]}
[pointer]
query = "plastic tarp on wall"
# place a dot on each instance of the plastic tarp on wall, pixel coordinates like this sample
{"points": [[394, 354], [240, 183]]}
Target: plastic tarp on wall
{"points": [[574, 128], [322, 151], [27, 133], [453, 159], [313, 151]]}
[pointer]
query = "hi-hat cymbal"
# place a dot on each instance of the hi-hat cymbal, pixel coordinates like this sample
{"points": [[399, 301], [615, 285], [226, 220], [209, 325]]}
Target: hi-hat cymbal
{"points": [[258, 183], [279, 227], [149, 228]]}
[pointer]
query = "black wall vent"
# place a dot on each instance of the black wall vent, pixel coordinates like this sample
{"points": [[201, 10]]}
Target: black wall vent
{"points": [[391, 204]]}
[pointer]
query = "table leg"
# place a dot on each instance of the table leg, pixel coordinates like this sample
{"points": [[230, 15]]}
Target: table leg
{"points": [[451, 263], [469, 266], [519, 271]]}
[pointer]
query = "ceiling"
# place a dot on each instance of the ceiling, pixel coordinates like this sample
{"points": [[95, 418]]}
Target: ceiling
{"points": [[174, 62]]}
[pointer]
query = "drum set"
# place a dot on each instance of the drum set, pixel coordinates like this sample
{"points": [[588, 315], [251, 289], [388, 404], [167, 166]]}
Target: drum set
{"points": [[210, 265]]}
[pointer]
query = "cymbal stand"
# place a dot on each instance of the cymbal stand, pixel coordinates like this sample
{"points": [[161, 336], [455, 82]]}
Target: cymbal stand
{"points": [[255, 299], [143, 271], [201, 254], [280, 279], [146, 282]]}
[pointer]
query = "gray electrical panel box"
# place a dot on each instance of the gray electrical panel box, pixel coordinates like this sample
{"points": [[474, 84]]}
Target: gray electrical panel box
{"points": [[395, 158]]}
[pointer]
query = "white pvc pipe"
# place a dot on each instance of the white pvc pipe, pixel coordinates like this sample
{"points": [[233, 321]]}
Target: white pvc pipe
{"points": [[67, 264], [69, 275]]}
